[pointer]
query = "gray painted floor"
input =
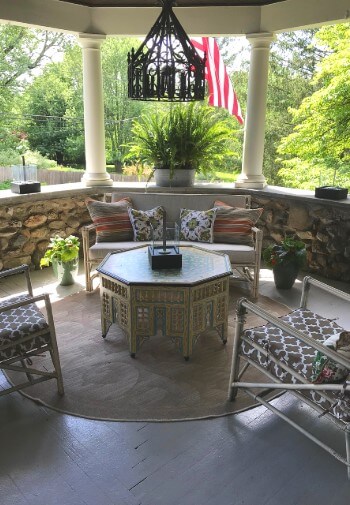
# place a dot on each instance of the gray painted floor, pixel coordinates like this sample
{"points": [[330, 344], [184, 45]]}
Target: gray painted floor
{"points": [[251, 458]]}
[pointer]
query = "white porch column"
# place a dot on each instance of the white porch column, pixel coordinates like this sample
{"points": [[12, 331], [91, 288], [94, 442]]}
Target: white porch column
{"points": [[95, 174], [254, 134]]}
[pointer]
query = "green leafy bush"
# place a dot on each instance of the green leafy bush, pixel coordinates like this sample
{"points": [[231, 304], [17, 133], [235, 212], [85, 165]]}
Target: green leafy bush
{"points": [[288, 251], [61, 249]]}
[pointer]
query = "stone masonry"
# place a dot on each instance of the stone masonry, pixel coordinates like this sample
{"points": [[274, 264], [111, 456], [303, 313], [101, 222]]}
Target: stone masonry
{"points": [[26, 228], [324, 227]]}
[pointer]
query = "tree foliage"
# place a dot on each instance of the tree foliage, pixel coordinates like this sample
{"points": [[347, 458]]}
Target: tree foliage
{"points": [[119, 110], [319, 146], [54, 102], [23, 52]]}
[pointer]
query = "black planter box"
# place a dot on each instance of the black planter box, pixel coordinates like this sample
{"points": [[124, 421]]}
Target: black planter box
{"points": [[159, 261], [24, 187], [331, 192]]}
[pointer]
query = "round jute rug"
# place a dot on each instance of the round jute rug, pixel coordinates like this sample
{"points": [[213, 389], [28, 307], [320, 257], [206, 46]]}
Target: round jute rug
{"points": [[102, 381]]}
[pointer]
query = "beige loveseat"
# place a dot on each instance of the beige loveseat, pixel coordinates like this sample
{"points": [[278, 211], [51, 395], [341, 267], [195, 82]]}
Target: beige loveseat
{"points": [[245, 259]]}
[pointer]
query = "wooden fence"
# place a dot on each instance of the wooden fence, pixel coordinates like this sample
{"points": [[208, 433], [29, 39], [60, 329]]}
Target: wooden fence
{"points": [[52, 177]]}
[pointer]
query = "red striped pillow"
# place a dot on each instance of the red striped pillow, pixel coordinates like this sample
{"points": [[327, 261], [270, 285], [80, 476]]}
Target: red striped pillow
{"points": [[111, 219], [233, 225]]}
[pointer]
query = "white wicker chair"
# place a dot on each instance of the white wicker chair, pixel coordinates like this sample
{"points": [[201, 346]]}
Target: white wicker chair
{"points": [[284, 349], [25, 332]]}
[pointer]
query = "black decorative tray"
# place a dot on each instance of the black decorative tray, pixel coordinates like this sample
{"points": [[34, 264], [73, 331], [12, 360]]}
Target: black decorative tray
{"points": [[331, 192]]}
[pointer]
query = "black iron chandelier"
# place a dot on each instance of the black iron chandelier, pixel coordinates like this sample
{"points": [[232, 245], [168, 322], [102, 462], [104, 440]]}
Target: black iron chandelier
{"points": [[166, 67]]}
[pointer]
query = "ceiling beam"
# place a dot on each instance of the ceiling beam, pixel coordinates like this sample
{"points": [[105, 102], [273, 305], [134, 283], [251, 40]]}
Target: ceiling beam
{"points": [[211, 21]]}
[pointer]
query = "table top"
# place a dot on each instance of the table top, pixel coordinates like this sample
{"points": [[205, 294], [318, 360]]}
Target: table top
{"points": [[133, 267]]}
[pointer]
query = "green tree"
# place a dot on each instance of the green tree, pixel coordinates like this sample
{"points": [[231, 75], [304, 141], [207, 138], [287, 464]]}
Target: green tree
{"points": [[292, 64], [119, 109], [54, 102], [319, 146], [23, 52]]}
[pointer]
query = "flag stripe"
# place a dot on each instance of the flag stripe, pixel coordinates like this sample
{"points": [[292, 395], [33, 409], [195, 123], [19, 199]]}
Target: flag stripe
{"points": [[221, 92]]}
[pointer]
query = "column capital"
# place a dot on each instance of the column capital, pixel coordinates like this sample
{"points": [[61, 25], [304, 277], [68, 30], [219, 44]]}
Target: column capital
{"points": [[91, 40], [260, 40]]}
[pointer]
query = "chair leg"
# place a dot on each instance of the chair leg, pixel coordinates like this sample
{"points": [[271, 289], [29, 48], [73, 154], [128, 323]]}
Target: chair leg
{"points": [[57, 365], [232, 391], [54, 349], [347, 445]]}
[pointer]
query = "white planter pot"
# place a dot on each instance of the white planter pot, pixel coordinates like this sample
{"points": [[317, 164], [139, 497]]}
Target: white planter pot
{"points": [[181, 178]]}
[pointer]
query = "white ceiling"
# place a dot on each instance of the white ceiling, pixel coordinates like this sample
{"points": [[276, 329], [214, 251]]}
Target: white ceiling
{"points": [[207, 19]]}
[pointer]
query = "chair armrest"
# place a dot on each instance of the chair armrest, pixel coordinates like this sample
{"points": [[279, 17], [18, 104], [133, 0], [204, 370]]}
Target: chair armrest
{"points": [[244, 306], [14, 271], [86, 232], [23, 302], [22, 269], [308, 282], [257, 239]]}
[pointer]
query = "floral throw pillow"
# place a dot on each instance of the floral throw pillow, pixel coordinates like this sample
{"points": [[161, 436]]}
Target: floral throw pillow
{"points": [[141, 221], [197, 225], [324, 369]]}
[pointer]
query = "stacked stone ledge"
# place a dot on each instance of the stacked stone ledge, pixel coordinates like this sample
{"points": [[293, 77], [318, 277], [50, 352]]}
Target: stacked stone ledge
{"points": [[26, 228], [323, 227]]}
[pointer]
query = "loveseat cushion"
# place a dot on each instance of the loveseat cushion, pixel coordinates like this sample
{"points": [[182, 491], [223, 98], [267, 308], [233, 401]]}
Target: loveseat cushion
{"points": [[111, 219], [234, 225], [238, 254], [197, 225]]}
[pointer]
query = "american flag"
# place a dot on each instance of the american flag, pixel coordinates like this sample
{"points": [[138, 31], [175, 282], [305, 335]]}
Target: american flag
{"points": [[221, 92]]}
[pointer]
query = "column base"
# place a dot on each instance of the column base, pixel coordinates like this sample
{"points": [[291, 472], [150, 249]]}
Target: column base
{"points": [[97, 179], [251, 182]]}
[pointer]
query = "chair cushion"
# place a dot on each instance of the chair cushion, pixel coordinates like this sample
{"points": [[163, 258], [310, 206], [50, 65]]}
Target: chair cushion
{"points": [[197, 225], [294, 353], [16, 325], [234, 225], [142, 220], [111, 219]]}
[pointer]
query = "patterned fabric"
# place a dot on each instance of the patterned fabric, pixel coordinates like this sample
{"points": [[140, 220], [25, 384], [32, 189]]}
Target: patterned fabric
{"points": [[296, 354], [17, 324], [197, 225], [234, 225], [324, 369], [111, 219], [141, 221]]}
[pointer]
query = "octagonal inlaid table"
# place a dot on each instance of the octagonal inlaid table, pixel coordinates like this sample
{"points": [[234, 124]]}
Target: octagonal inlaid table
{"points": [[181, 303]]}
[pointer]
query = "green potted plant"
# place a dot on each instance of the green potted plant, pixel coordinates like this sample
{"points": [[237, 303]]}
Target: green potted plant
{"points": [[179, 141], [285, 259], [63, 254]]}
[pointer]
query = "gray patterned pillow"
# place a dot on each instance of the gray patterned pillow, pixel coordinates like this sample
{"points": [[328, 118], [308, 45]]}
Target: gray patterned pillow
{"points": [[197, 225], [141, 221]]}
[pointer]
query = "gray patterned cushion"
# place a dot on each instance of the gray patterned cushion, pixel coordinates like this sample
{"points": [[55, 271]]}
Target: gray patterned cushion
{"points": [[197, 225], [294, 353], [142, 220], [17, 324]]}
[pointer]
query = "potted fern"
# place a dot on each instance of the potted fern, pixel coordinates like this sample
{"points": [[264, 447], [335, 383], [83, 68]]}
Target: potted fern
{"points": [[63, 254], [180, 141]]}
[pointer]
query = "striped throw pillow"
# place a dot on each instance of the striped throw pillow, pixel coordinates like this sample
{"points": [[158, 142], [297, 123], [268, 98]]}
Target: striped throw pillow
{"points": [[111, 219], [233, 225]]}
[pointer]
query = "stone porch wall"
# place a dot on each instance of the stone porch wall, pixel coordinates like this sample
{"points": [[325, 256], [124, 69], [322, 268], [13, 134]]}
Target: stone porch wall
{"points": [[28, 221]]}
